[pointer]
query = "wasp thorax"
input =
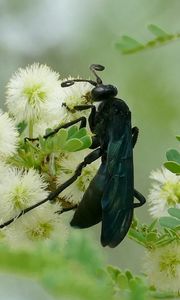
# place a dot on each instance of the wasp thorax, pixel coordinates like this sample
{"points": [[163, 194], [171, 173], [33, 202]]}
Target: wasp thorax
{"points": [[103, 92]]}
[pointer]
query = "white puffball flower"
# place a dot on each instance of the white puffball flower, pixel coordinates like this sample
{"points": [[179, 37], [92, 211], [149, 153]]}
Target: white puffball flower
{"points": [[165, 192], [34, 93], [77, 94], [68, 165], [41, 224], [8, 135], [18, 190], [162, 266]]}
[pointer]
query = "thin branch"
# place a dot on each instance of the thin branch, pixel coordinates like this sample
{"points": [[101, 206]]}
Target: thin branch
{"points": [[129, 45]]}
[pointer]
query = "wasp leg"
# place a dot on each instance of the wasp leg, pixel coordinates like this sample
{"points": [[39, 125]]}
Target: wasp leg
{"points": [[139, 197], [91, 118], [95, 142], [84, 107], [94, 155], [82, 121], [135, 133]]}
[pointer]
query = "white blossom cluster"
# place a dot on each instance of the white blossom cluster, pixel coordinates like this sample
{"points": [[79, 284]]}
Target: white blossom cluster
{"points": [[162, 267], [34, 96], [75, 191], [164, 193], [162, 264]]}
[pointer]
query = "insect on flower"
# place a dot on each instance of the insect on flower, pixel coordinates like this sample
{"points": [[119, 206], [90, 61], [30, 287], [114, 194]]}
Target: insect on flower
{"points": [[110, 195]]}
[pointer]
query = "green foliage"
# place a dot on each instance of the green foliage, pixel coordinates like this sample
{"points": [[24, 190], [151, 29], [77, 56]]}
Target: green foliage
{"points": [[150, 237], [172, 221], [173, 157], [173, 163], [74, 271], [175, 212], [85, 252], [127, 286], [33, 154], [21, 127], [172, 166], [131, 287], [70, 140], [128, 45]]}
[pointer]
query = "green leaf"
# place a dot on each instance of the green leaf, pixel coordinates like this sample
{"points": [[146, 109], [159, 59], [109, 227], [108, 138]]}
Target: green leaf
{"points": [[178, 137], [21, 127], [133, 283], [152, 225], [138, 236], [157, 31], [72, 145], [169, 222], [128, 274], [172, 166], [48, 130], [127, 44], [175, 212], [151, 237], [87, 141], [113, 272], [122, 281], [62, 136], [72, 131], [42, 142], [82, 132], [173, 155], [49, 145]]}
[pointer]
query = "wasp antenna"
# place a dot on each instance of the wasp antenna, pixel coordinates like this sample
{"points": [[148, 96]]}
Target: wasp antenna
{"points": [[71, 82], [97, 67], [67, 83], [94, 68]]}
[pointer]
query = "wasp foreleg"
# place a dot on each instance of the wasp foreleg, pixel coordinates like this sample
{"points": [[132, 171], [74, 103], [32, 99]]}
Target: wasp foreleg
{"points": [[91, 118], [82, 121], [139, 197]]}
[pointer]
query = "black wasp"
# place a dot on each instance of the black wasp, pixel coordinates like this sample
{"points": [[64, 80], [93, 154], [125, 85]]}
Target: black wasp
{"points": [[110, 195]]}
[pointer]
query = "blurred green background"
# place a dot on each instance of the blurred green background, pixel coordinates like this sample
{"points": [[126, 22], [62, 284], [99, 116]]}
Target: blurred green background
{"points": [[69, 35]]}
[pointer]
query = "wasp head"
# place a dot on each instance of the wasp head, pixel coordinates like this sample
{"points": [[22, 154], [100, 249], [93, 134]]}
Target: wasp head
{"points": [[100, 92], [103, 92]]}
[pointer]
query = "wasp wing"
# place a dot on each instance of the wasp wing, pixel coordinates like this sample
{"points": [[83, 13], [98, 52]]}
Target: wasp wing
{"points": [[89, 211], [117, 199]]}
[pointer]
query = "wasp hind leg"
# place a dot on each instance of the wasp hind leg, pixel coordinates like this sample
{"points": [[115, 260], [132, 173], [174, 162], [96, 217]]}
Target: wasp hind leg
{"points": [[135, 133], [139, 197]]}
